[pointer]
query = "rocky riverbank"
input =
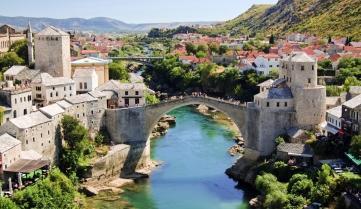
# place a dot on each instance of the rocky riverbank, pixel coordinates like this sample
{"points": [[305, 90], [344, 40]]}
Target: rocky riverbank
{"points": [[162, 126], [238, 148]]}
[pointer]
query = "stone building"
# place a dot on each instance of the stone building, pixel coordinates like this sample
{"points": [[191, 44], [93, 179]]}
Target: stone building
{"points": [[15, 101], [300, 72], [100, 65], [9, 35], [20, 74], [124, 94], [10, 150], [52, 52], [351, 115], [35, 131], [86, 80], [47, 89]]}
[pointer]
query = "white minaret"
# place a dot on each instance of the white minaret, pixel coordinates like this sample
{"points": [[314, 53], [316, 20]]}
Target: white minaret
{"points": [[30, 45]]}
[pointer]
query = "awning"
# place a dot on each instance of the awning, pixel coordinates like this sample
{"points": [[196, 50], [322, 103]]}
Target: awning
{"points": [[300, 155], [331, 129], [27, 166], [355, 160]]}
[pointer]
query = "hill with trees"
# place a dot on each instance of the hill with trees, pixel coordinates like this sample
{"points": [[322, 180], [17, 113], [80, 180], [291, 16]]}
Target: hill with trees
{"points": [[320, 17]]}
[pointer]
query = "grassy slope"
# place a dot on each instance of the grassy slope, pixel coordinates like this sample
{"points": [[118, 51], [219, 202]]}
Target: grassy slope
{"points": [[320, 17]]}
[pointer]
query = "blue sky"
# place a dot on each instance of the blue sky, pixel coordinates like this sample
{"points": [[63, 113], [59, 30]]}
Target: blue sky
{"points": [[131, 11]]}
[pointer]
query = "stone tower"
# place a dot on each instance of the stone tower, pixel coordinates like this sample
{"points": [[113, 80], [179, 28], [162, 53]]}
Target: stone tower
{"points": [[300, 72], [52, 52], [30, 45]]}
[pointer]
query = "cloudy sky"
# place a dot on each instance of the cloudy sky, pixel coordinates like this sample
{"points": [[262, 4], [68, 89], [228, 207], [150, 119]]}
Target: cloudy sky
{"points": [[131, 11]]}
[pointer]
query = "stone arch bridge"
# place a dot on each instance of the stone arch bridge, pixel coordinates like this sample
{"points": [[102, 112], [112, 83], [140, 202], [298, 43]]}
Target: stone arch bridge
{"points": [[133, 125]]}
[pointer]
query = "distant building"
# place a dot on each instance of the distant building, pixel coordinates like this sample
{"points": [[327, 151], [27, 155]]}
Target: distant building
{"points": [[264, 63], [333, 121], [47, 89], [8, 36], [101, 67], [351, 115], [52, 52]]}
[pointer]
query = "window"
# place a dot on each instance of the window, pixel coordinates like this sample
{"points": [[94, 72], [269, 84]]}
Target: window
{"points": [[126, 92], [302, 68], [16, 101], [51, 94], [136, 92], [313, 67], [290, 80], [137, 101], [85, 85], [29, 98], [80, 85], [38, 88], [25, 111], [38, 96], [278, 104], [21, 99], [286, 104], [92, 112], [27, 142], [267, 104], [69, 87], [126, 101], [14, 114], [33, 139], [309, 80], [56, 94], [53, 88]]}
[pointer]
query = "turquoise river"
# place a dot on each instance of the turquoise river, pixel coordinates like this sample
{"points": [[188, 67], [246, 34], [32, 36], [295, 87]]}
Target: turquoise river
{"points": [[194, 157]]}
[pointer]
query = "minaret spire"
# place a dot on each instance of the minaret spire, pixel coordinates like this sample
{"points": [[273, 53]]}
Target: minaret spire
{"points": [[30, 45]]}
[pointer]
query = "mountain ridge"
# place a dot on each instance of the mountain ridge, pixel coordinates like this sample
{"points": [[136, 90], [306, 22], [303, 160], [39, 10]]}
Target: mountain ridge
{"points": [[95, 24]]}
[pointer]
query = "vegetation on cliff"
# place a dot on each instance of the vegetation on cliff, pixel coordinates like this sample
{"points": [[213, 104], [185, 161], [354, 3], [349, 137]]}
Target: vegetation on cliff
{"points": [[322, 18]]}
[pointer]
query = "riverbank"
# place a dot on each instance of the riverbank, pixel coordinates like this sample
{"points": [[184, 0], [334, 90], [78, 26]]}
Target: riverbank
{"points": [[238, 148]]}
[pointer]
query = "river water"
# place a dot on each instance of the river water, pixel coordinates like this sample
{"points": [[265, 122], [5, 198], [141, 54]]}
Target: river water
{"points": [[194, 156]]}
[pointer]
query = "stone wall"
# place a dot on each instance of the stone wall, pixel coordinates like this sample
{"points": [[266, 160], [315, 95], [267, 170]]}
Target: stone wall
{"points": [[111, 164]]}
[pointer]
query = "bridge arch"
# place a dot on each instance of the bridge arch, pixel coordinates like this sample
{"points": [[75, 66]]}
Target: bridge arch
{"points": [[236, 112]]}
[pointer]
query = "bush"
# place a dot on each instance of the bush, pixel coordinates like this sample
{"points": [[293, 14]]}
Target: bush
{"points": [[6, 203], [55, 191], [355, 147], [279, 140], [276, 200]]}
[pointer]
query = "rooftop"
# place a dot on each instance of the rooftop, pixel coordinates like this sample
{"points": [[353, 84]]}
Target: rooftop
{"points": [[64, 104], [355, 89], [30, 120], [336, 111], [276, 93], [52, 110], [52, 31], [80, 98], [7, 142], [90, 60], [15, 70], [354, 102], [48, 80], [267, 83], [97, 94], [296, 149], [300, 57]]}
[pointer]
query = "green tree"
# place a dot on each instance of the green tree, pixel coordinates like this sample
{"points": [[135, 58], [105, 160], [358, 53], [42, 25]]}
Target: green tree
{"points": [[351, 81], [223, 49], [21, 49], [355, 147], [7, 203], [118, 71], [191, 48], [55, 191], [151, 99], [301, 185], [276, 200], [9, 59], [274, 73], [201, 54]]}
